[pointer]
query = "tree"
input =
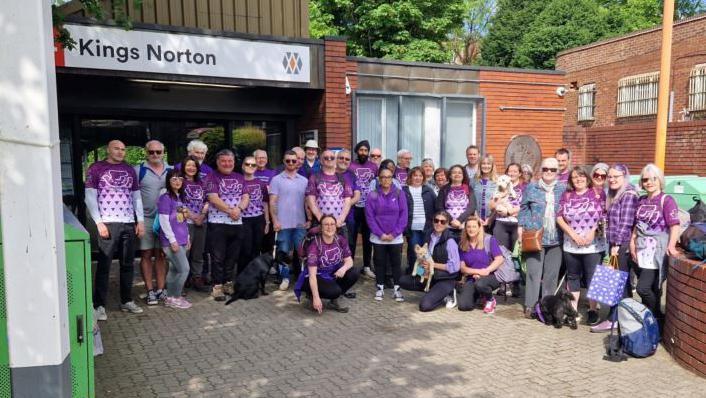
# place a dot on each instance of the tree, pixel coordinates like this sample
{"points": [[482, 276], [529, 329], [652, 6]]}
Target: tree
{"points": [[508, 25], [465, 40], [94, 9], [409, 30]]}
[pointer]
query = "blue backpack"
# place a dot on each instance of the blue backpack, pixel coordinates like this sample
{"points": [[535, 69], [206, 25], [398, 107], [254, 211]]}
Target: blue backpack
{"points": [[639, 332]]}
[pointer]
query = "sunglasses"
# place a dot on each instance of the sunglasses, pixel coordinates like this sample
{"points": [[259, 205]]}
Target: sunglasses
{"points": [[176, 179], [599, 176], [648, 179], [441, 221], [290, 161], [549, 169], [376, 156], [249, 164], [329, 158], [344, 159], [155, 152]]}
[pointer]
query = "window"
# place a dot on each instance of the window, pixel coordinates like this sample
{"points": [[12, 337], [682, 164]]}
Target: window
{"points": [[430, 127], [587, 103], [637, 95], [697, 89]]}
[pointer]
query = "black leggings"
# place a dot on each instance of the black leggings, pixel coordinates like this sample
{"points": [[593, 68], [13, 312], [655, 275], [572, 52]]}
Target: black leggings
{"points": [[442, 284], [473, 288], [224, 241], [580, 266], [506, 233], [360, 226], [253, 234], [384, 255], [333, 289], [650, 290]]}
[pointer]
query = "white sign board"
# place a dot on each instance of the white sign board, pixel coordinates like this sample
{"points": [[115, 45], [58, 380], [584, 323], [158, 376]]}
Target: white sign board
{"points": [[99, 47]]}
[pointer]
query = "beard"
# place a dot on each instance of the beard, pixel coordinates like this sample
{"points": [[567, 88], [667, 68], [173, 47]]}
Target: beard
{"points": [[362, 158]]}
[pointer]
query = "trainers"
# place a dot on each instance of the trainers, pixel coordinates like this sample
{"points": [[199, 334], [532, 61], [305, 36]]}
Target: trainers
{"points": [[99, 313], [152, 298], [273, 271], [181, 302], [217, 293], [335, 306], [131, 307], [398, 295], [603, 326], [450, 300], [228, 288], [368, 273], [380, 293], [284, 285], [489, 307], [161, 294], [592, 318]]}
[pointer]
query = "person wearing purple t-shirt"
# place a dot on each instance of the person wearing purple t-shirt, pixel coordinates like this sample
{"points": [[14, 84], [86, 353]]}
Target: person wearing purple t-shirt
{"points": [[113, 200], [480, 256], [256, 217], [404, 159], [457, 199], [263, 173], [343, 162], [328, 193], [227, 198], [173, 215], [654, 237], [198, 149], [581, 214], [195, 201], [364, 171]]}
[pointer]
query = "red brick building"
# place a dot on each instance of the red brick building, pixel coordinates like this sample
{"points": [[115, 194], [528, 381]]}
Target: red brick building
{"points": [[611, 99]]}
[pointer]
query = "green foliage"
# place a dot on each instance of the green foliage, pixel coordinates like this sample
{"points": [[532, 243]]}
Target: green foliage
{"points": [[465, 40], [246, 139], [134, 155], [93, 9], [412, 30]]}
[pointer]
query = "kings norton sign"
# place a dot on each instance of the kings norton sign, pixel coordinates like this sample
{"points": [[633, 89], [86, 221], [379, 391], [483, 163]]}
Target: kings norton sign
{"points": [[99, 47]]}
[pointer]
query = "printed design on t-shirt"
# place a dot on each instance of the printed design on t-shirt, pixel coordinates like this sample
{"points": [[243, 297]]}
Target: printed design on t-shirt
{"points": [[456, 202], [331, 256], [330, 197], [648, 213], [230, 186], [193, 192], [577, 205], [363, 177], [402, 177], [116, 179], [255, 193], [334, 190]]}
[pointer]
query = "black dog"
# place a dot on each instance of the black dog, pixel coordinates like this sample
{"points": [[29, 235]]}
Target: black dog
{"points": [[556, 310], [250, 283]]}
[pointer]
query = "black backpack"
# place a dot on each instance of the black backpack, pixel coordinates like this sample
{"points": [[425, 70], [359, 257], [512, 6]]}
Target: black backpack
{"points": [[697, 214]]}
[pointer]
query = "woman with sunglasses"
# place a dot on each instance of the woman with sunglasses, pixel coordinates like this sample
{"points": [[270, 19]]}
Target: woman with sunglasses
{"points": [[484, 184], [540, 204], [580, 213], [195, 201], [174, 237], [445, 261], [329, 271], [390, 165], [599, 173], [420, 210], [621, 204], [457, 199], [654, 237], [256, 217]]}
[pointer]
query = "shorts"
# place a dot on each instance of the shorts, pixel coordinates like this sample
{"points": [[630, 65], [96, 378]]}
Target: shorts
{"points": [[149, 240]]}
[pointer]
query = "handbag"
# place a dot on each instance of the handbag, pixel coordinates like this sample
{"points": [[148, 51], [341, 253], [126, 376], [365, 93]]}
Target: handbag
{"points": [[532, 240], [608, 283]]}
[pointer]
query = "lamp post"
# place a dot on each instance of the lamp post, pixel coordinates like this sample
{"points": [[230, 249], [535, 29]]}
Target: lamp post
{"points": [[664, 73]]}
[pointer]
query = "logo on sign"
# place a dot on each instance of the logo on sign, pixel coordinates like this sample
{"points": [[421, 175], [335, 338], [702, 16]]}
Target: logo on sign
{"points": [[292, 63]]}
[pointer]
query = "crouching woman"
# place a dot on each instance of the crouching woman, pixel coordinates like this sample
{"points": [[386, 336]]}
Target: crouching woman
{"points": [[329, 271], [480, 257], [444, 260]]}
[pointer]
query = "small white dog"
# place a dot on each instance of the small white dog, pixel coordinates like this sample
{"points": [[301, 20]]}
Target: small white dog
{"points": [[504, 192]]}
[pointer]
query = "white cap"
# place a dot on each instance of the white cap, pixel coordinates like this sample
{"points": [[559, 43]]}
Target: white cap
{"points": [[311, 144]]}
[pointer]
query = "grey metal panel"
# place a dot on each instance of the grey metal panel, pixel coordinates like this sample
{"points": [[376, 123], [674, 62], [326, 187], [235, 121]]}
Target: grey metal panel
{"points": [[49, 381], [417, 78]]}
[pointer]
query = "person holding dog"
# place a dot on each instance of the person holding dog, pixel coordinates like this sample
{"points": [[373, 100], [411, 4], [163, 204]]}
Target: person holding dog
{"points": [[480, 256], [174, 237], [329, 271], [581, 211], [420, 210], [484, 185], [457, 199], [386, 212], [444, 259], [540, 204]]}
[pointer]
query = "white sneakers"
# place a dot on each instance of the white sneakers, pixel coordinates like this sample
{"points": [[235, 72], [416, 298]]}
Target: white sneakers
{"points": [[131, 307], [451, 301], [284, 285], [99, 313], [368, 273], [380, 292]]}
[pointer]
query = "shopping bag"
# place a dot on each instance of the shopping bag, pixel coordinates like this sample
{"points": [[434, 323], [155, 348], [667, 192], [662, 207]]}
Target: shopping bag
{"points": [[608, 283]]}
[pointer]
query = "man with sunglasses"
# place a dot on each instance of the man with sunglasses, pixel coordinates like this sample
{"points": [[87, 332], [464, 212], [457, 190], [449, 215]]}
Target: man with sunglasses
{"points": [[287, 210], [151, 175], [376, 156], [365, 171], [328, 193]]}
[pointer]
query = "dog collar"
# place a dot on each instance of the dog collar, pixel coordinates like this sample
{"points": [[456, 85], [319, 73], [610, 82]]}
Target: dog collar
{"points": [[538, 311]]}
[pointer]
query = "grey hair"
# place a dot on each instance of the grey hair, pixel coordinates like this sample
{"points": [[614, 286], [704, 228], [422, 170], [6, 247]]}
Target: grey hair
{"points": [[147, 145], [225, 152], [428, 160], [550, 160], [255, 152], [403, 152], [344, 150], [527, 168], [197, 145], [652, 168]]}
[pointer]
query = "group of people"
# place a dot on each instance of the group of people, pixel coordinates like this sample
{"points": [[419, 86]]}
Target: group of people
{"points": [[208, 224]]}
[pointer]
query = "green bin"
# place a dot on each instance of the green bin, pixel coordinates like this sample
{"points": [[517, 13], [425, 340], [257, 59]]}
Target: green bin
{"points": [[687, 190], [80, 303]]}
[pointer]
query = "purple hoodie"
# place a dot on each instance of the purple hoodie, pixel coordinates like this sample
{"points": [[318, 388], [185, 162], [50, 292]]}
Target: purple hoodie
{"points": [[386, 213]]}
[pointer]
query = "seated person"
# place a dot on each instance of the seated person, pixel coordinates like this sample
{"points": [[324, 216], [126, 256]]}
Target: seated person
{"points": [[445, 260], [329, 272], [480, 257]]}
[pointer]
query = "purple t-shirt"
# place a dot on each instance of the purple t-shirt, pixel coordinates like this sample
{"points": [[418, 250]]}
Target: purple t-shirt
{"points": [[258, 196], [204, 170], [114, 184], [230, 188], [265, 175], [655, 217], [169, 205], [478, 258], [582, 213], [329, 192], [194, 196], [457, 201], [364, 173], [401, 175], [327, 258]]}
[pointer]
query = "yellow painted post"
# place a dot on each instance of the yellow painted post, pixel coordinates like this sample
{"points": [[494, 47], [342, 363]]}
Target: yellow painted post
{"points": [[664, 73]]}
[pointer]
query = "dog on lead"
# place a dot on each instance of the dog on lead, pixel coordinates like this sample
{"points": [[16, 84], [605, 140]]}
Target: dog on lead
{"points": [[250, 283], [556, 310]]}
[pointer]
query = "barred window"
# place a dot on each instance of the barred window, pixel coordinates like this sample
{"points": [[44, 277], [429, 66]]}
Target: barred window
{"points": [[637, 95], [587, 103], [697, 88]]}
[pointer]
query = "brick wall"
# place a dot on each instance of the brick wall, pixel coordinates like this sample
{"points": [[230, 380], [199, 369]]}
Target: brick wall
{"points": [[685, 325]]}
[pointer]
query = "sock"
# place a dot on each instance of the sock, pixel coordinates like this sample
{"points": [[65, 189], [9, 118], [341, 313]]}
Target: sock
{"points": [[397, 287], [381, 287]]}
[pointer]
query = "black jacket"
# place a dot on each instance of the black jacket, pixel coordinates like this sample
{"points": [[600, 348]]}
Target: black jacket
{"points": [[429, 200]]}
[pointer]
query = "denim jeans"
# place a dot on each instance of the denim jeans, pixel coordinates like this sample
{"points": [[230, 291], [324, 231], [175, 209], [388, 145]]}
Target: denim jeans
{"points": [[288, 240], [178, 270]]}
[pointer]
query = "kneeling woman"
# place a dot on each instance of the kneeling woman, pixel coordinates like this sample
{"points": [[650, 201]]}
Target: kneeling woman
{"points": [[329, 272], [444, 260], [480, 257]]}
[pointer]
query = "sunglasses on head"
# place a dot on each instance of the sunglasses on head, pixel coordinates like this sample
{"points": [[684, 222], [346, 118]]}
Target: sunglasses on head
{"points": [[290, 161], [151, 152], [249, 164], [549, 169], [329, 158], [599, 176], [441, 221]]}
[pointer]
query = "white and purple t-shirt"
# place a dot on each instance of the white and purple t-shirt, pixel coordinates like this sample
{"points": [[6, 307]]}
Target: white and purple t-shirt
{"points": [[364, 173], [194, 196], [655, 217], [114, 184], [230, 188], [330, 193], [257, 191], [168, 205], [401, 175], [327, 258], [457, 201], [582, 212]]}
